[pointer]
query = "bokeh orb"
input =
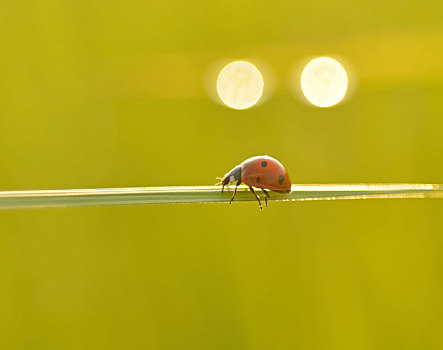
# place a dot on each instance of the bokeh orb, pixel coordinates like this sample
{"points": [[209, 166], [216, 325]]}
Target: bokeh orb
{"points": [[324, 82], [240, 85]]}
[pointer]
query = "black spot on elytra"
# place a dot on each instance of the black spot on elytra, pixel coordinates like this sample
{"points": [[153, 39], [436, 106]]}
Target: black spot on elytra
{"points": [[257, 179], [264, 164], [281, 178]]}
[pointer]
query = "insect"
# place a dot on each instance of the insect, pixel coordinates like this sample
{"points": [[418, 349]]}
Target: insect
{"points": [[263, 172]]}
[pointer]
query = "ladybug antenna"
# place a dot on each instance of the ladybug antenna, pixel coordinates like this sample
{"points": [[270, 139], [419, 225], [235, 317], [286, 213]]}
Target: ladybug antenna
{"points": [[220, 182]]}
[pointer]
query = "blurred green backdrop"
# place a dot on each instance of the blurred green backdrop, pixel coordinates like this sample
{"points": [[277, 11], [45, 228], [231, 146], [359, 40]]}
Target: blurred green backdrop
{"points": [[112, 94]]}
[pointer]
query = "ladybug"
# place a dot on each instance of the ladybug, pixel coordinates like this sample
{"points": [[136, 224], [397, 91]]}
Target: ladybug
{"points": [[262, 172]]}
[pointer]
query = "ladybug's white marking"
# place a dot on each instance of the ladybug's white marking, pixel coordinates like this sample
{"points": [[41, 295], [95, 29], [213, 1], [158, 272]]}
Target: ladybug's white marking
{"points": [[231, 179]]}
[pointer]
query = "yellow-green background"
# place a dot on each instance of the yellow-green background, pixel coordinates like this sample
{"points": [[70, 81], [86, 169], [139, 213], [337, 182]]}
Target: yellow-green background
{"points": [[112, 94]]}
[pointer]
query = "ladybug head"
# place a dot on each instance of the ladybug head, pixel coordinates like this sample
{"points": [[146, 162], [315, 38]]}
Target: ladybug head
{"points": [[232, 176]]}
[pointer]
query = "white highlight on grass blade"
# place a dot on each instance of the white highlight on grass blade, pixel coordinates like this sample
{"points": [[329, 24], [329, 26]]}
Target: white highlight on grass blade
{"points": [[209, 194], [240, 85], [324, 82]]}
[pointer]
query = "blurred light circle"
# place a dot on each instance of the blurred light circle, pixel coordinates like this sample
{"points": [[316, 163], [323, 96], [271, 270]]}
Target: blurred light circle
{"points": [[240, 85], [324, 82]]}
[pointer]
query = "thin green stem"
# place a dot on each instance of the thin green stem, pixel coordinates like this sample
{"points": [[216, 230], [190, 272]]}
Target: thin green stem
{"points": [[208, 194]]}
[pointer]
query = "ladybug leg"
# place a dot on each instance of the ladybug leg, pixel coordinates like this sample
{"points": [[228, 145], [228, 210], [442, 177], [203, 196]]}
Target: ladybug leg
{"points": [[235, 191], [258, 199], [266, 196]]}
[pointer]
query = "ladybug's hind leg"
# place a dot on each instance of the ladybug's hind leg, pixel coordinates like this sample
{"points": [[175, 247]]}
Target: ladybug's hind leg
{"points": [[266, 197], [235, 191], [258, 199]]}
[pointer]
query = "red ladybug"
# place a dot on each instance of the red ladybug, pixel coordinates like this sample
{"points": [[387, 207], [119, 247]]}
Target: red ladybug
{"points": [[262, 172]]}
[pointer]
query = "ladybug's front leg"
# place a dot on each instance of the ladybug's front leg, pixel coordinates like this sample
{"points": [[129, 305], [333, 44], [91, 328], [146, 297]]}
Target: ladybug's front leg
{"points": [[235, 191]]}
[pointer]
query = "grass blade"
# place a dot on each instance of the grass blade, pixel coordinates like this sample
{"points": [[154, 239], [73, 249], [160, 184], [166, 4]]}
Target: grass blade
{"points": [[208, 194]]}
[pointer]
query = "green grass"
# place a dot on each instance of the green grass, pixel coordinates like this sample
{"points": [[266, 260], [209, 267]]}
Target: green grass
{"points": [[208, 194]]}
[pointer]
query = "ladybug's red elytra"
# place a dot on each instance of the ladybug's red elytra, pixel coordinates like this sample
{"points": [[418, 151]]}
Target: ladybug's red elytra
{"points": [[263, 172]]}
